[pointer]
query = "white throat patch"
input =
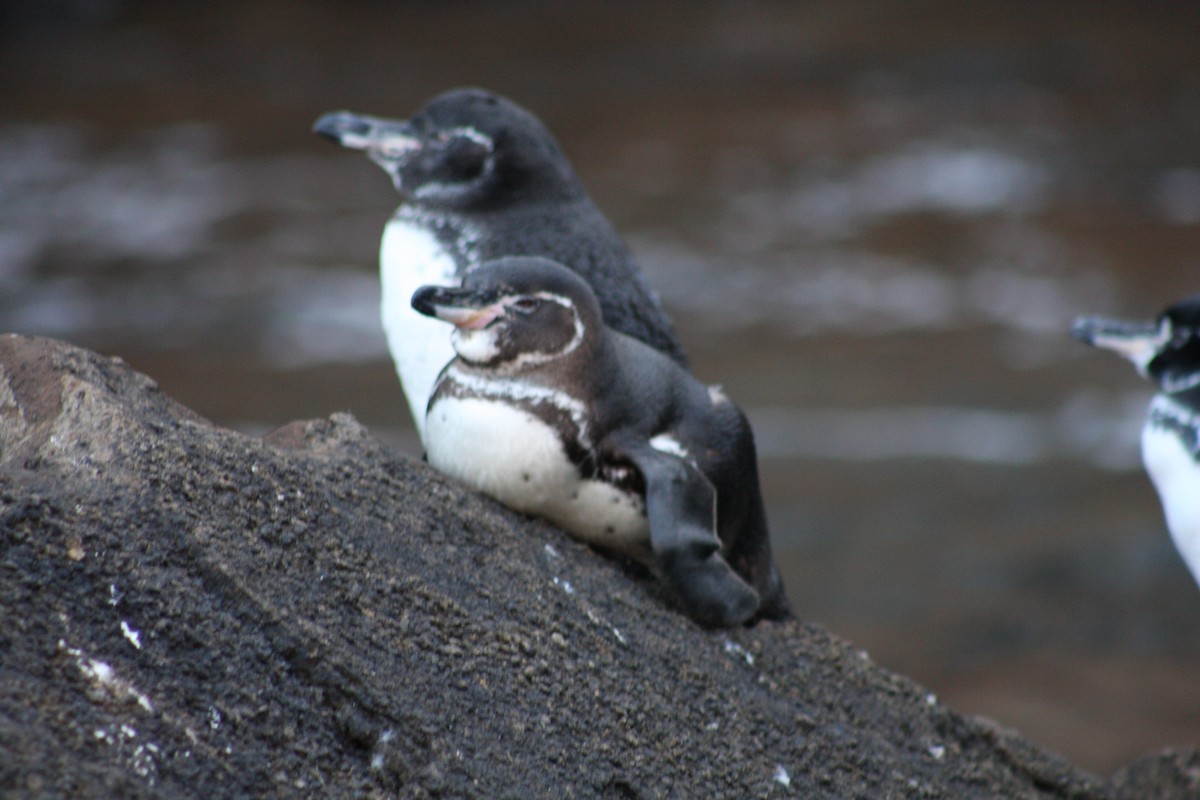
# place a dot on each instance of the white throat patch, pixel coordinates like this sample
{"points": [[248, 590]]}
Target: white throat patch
{"points": [[475, 346]]}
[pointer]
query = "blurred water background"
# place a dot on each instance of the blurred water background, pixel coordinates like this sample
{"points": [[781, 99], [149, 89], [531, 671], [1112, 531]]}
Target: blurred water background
{"points": [[872, 222]]}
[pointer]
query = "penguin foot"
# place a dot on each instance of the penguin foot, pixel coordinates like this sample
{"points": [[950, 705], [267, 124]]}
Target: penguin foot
{"points": [[711, 592]]}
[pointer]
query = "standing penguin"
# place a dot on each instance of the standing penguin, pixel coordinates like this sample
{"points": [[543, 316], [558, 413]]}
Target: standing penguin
{"points": [[1167, 351], [552, 413], [482, 178]]}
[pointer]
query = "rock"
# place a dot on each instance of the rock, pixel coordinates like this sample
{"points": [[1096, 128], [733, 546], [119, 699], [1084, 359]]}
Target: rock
{"points": [[1165, 776], [189, 612]]}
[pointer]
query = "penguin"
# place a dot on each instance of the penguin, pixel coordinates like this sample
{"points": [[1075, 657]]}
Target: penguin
{"points": [[482, 178], [555, 414], [1167, 351]]}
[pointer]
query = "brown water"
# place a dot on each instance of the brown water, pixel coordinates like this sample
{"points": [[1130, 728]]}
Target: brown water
{"points": [[872, 222]]}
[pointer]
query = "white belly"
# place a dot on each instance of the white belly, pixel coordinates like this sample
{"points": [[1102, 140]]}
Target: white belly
{"points": [[411, 257], [517, 459], [1176, 476]]}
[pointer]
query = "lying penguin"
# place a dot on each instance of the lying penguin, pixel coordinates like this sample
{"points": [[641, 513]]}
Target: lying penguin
{"points": [[1167, 351], [480, 178], [554, 414]]}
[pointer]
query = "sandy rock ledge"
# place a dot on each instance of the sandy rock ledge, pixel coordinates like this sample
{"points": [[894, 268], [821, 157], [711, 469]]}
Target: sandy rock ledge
{"points": [[192, 613]]}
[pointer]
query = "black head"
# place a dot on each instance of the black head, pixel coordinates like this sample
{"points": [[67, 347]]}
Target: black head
{"points": [[1166, 350], [467, 149], [516, 313]]}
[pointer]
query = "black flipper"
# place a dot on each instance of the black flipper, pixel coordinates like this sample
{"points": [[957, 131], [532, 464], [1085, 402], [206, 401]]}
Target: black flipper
{"points": [[681, 508]]}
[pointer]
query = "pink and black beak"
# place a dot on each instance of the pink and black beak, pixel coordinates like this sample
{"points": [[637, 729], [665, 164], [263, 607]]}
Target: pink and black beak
{"points": [[468, 309], [1139, 342], [390, 143]]}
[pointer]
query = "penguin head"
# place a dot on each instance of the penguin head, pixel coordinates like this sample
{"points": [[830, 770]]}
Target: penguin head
{"points": [[1167, 350], [467, 149], [515, 313]]}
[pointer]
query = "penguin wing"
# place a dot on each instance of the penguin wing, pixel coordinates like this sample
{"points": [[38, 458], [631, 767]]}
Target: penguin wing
{"points": [[681, 509]]}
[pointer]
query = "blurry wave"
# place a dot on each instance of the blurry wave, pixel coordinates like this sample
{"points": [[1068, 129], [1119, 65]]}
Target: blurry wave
{"points": [[1102, 430]]}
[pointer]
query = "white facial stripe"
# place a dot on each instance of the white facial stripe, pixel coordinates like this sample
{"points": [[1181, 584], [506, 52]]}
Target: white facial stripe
{"points": [[576, 338], [532, 359], [480, 346], [566, 303], [476, 136]]}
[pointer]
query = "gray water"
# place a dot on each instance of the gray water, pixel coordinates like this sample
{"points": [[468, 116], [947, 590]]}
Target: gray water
{"points": [[873, 225]]}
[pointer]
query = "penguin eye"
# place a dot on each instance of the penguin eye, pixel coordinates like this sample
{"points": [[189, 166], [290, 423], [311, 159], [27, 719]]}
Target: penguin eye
{"points": [[463, 159], [526, 305]]}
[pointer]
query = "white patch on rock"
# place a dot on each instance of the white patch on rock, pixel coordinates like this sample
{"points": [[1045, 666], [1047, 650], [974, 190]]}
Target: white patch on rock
{"points": [[733, 648], [134, 636], [105, 683], [591, 615]]}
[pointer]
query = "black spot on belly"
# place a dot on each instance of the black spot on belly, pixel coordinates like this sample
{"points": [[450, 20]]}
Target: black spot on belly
{"points": [[609, 529], [525, 477]]}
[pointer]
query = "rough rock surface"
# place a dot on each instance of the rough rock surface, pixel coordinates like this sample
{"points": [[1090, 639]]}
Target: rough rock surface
{"points": [[189, 612]]}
